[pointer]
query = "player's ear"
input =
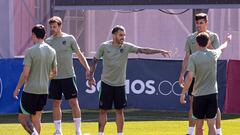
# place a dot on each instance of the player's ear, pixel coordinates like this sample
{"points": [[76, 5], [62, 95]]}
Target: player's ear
{"points": [[114, 36]]}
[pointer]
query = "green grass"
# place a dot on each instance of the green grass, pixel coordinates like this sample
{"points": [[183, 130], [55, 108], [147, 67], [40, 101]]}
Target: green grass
{"points": [[138, 122]]}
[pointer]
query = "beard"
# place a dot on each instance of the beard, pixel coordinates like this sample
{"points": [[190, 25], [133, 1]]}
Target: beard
{"points": [[120, 41], [53, 32]]}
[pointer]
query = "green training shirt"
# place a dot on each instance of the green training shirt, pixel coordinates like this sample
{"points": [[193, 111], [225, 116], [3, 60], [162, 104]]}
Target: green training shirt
{"points": [[191, 43], [115, 62], [64, 46], [204, 66], [41, 58]]}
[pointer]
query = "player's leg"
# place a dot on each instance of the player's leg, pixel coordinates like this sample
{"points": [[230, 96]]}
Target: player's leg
{"points": [[199, 126], [76, 114], [199, 111], [102, 121], [105, 103], [120, 120], [36, 121], [191, 121], [70, 92], [120, 102], [27, 108], [26, 122], [55, 93], [218, 122], [41, 100], [211, 113], [57, 116], [211, 126]]}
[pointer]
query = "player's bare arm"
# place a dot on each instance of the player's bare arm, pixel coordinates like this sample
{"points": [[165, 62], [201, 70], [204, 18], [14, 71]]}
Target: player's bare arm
{"points": [[184, 67], [165, 53], [83, 61], [91, 80], [22, 79], [186, 87], [53, 73], [226, 42]]}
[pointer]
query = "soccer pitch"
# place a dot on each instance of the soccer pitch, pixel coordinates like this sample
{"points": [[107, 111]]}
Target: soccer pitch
{"points": [[138, 122]]}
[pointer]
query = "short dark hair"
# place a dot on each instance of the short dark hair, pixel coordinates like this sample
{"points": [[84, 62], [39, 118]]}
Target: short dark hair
{"points": [[201, 16], [55, 19], [202, 39], [39, 31], [118, 28]]}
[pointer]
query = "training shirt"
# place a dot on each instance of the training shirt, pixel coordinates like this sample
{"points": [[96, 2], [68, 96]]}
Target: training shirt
{"points": [[191, 43], [204, 66], [115, 62], [64, 46], [41, 58]]}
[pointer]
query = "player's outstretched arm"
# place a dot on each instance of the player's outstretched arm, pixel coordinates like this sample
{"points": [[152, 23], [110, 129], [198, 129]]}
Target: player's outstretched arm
{"points": [[165, 53], [226, 42]]}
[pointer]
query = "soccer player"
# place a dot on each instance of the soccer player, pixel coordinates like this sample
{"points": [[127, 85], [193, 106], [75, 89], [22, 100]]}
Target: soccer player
{"points": [[115, 56], [203, 66], [39, 66], [65, 81], [201, 21]]}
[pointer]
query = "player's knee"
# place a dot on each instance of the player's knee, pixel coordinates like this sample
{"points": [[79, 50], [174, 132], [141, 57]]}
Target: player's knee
{"points": [[73, 103], [56, 104], [103, 112], [35, 120], [22, 119], [119, 112]]}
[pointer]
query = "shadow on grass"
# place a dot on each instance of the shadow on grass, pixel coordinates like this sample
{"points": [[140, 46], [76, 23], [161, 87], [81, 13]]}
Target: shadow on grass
{"points": [[130, 115]]}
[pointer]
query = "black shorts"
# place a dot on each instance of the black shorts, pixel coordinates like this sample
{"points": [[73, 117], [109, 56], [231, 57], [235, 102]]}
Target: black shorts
{"points": [[190, 89], [31, 103], [110, 95], [66, 87], [205, 107]]}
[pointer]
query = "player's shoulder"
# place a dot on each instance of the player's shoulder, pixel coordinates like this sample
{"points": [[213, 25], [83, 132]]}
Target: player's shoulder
{"points": [[128, 43], [192, 36], [50, 48], [211, 33], [67, 36], [195, 54], [49, 38], [106, 43], [31, 48]]}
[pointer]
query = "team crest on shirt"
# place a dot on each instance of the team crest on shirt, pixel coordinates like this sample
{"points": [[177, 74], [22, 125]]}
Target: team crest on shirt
{"points": [[64, 42], [121, 50]]}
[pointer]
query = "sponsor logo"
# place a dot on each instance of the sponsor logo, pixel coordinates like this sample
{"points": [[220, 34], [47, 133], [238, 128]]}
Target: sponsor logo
{"points": [[149, 87]]}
